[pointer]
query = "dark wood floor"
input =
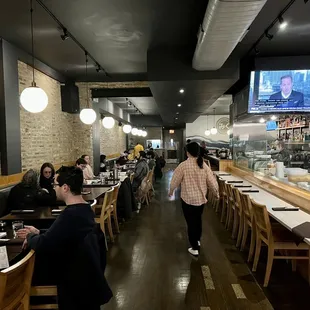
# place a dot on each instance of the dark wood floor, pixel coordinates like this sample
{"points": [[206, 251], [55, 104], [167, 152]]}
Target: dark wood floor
{"points": [[149, 267]]}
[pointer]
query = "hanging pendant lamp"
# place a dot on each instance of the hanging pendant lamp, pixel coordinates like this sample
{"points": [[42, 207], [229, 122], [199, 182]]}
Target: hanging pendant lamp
{"points": [[33, 98], [207, 132], [214, 130], [87, 115]]}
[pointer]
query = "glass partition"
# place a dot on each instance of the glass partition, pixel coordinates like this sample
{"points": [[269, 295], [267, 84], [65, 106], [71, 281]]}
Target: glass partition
{"points": [[282, 154]]}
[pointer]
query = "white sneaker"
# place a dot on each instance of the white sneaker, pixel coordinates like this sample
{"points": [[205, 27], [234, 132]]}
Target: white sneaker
{"points": [[198, 243], [193, 252]]}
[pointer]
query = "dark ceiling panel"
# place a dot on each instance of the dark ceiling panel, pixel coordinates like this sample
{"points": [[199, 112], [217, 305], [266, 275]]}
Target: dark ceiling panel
{"points": [[119, 33], [63, 56], [146, 105]]}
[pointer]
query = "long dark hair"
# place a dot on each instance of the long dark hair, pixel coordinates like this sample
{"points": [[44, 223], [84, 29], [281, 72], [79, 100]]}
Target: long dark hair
{"points": [[193, 149], [49, 165]]}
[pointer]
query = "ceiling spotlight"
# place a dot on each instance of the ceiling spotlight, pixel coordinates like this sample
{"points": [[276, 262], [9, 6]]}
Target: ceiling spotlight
{"points": [[273, 117], [262, 120], [179, 105], [181, 90], [120, 124], [256, 50], [98, 68], [65, 34], [282, 23], [176, 118], [268, 36], [177, 112]]}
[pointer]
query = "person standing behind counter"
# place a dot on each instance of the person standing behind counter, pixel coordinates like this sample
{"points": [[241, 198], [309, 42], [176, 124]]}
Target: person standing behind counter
{"points": [[195, 178]]}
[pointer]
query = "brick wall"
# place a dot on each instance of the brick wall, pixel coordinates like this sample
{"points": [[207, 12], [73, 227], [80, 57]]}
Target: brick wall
{"points": [[112, 141], [60, 137], [49, 135]]}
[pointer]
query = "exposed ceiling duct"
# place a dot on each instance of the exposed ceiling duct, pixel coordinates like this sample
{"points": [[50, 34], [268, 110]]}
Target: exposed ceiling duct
{"points": [[225, 24]]}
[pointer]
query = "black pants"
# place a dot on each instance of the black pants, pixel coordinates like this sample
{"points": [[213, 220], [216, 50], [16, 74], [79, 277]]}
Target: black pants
{"points": [[193, 219]]}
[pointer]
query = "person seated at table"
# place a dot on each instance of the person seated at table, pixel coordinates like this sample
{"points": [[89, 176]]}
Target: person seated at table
{"points": [[72, 252], [88, 171], [122, 160], [28, 195], [141, 171], [137, 149], [47, 173], [81, 163], [103, 163], [151, 162]]}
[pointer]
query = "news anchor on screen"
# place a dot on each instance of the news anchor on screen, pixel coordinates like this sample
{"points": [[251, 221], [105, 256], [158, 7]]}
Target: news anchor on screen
{"points": [[295, 98]]}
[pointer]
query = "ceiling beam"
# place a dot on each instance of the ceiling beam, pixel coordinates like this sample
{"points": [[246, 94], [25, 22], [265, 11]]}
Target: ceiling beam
{"points": [[121, 92]]}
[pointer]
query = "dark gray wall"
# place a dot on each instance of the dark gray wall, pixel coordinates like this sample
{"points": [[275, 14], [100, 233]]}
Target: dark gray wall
{"points": [[10, 144], [282, 63]]}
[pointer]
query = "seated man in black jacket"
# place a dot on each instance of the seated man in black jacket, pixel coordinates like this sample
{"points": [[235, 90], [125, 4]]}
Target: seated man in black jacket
{"points": [[71, 251]]}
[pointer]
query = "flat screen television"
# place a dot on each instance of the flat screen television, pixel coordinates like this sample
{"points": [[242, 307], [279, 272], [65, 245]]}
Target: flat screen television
{"points": [[279, 91]]}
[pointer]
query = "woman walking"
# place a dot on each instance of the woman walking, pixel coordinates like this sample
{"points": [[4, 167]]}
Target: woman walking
{"points": [[195, 178]]}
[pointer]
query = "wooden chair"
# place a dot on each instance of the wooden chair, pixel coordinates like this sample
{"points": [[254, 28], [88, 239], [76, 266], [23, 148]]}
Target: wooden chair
{"points": [[151, 191], [218, 201], [238, 216], [275, 239], [43, 291], [222, 186], [248, 223], [105, 214], [114, 206], [230, 207], [15, 284]]}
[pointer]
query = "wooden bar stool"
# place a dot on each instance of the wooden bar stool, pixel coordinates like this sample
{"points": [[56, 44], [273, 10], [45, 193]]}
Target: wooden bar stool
{"points": [[222, 186], [230, 207], [15, 284], [248, 223], [275, 239], [238, 216]]}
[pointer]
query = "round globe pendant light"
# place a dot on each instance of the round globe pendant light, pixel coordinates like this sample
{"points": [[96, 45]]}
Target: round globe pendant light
{"points": [[108, 122], [88, 115], [134, 131], [213, 131], [127, 128], [33, 99], [140, 132], [144, 133]]}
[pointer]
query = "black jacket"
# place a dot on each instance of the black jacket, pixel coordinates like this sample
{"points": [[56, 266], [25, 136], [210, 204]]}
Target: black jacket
{"points": [[296, 99], [22, 197], [74, 248]]}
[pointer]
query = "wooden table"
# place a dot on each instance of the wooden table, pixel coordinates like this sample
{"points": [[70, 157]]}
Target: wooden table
{"points": [[13, 246], [45, 213], [288, 219]]}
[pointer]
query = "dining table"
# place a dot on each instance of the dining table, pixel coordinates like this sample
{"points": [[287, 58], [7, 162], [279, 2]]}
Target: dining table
{"points": [[289, 219]]}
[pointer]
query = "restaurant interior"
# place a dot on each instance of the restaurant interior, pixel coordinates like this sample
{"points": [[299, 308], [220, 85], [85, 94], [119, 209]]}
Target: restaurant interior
{"points": [[108, 95]]}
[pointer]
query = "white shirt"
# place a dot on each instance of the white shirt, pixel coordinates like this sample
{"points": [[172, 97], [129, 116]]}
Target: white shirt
{"points": [[285, 97]]}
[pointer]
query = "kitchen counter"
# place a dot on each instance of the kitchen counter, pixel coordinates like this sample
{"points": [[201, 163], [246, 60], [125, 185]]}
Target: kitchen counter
{"points": [[221, 164]]}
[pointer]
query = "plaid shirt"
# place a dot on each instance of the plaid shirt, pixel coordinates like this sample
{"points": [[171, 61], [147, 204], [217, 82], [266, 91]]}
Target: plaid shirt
{"points": [[194, 182]]}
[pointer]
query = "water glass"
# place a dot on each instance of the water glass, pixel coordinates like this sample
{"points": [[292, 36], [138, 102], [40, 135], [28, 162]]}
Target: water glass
{"points": [[17, 225]]}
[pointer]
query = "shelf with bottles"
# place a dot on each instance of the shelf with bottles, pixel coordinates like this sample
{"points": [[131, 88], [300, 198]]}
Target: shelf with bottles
{"points": [[293, 121]]}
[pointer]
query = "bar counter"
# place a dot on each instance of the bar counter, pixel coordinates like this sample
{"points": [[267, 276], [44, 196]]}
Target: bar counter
{"points": [[221, 164]]}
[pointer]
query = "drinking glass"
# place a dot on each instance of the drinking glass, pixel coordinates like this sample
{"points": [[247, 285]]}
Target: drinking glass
{"points": [[17, 225]]}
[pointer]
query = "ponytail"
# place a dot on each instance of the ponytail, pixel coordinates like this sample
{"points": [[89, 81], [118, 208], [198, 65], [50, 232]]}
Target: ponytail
{"points": [[200, 161]]}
